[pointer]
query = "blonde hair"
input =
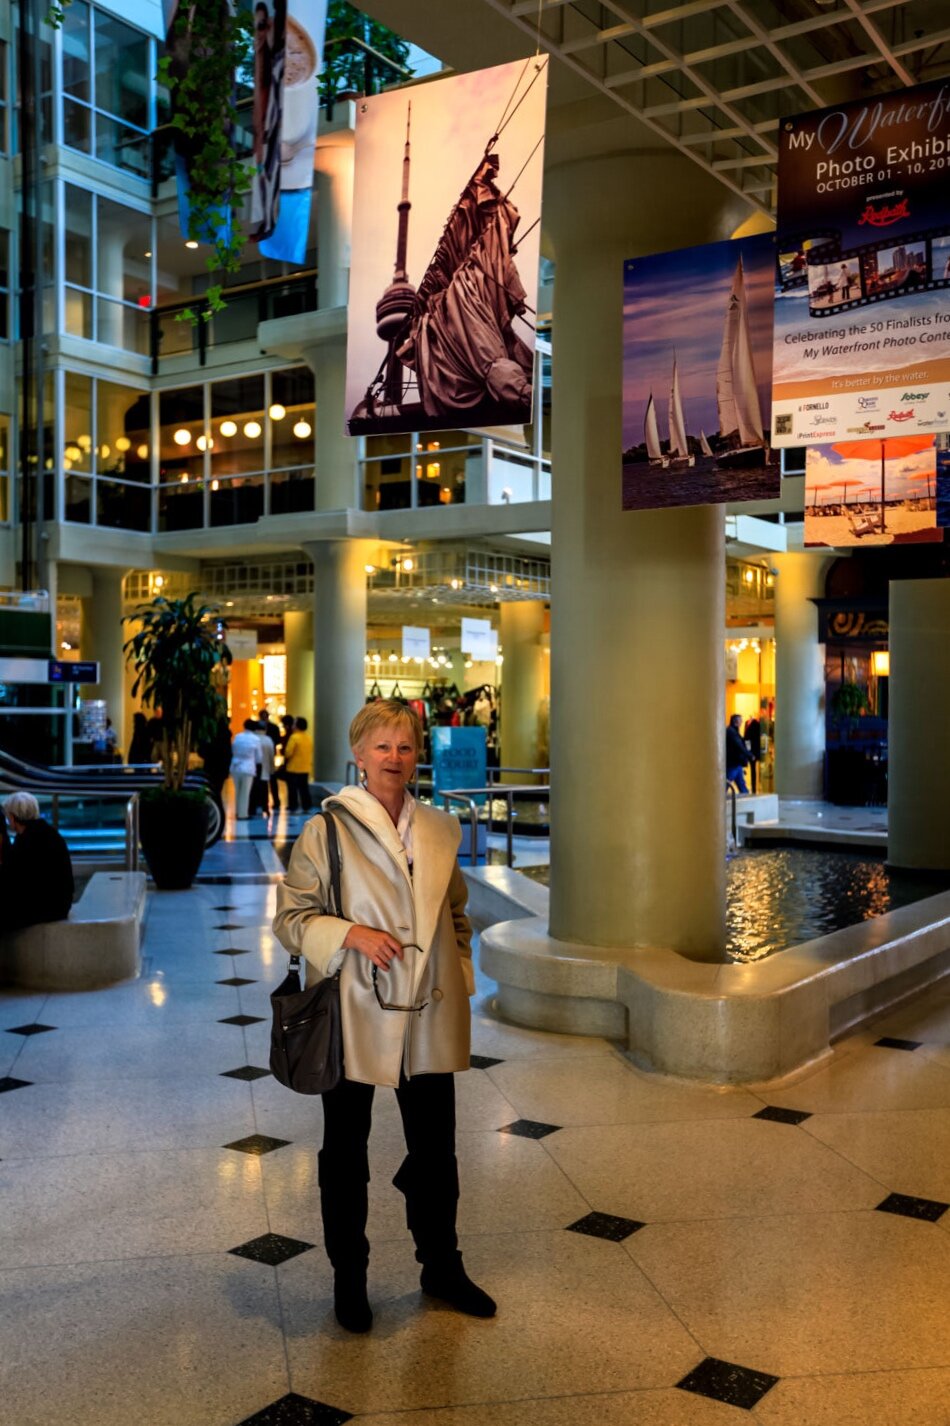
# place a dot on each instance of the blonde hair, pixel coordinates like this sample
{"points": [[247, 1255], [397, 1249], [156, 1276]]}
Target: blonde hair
{"points": [[386, 711], [22, 805]]}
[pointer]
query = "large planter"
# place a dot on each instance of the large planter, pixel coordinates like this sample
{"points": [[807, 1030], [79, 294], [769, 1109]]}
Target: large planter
{"points": [[173, 827]]}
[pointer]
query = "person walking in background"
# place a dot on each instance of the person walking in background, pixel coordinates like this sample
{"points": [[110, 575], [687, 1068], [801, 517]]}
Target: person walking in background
{"points": [[271, 734], [752, 734], [298, 763], [737, 754], [140, 748], [265, 782], [216, 756], [245, 766]]}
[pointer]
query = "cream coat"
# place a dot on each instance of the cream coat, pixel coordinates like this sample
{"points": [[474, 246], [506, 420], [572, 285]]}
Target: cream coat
{"points": [[426, 907]]}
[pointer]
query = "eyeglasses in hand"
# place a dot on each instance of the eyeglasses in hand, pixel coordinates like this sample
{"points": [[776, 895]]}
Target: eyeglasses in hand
{"points": [[387, 1005]]}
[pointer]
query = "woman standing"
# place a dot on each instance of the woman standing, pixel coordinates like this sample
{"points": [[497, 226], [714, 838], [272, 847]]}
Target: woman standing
{"points": [[404, 951]]}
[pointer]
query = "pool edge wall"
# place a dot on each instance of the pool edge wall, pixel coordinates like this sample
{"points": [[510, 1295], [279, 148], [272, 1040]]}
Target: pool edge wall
{"points": [[721, 1024]]}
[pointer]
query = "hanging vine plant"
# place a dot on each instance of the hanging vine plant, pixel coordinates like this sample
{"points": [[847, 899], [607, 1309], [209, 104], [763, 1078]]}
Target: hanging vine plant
{"points": [[209, 45]]}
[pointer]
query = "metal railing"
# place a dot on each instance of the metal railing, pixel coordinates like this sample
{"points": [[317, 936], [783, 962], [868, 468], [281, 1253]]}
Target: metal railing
{"points": [[468, 801], [495, 792], [131, 822], [733, 805]]}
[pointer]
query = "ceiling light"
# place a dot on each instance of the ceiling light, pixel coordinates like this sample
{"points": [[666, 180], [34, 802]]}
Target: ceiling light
{"points": [[252, 430], [105, 452], [85, 442], [229, 604], [159, 581], [123, 444], [370, 568], [142, 452], [184, 479], [190, 243], [205, 443], [277, 412], [302, 430], [215, 485], [149, 253], [393, 657], [68, 463], [182, 437], [73, 452], [229, 428], [408, 566]]}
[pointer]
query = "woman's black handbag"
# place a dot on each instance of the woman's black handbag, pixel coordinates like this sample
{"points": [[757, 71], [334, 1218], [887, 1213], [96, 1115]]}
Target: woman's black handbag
{"points": [[306, 1041]]}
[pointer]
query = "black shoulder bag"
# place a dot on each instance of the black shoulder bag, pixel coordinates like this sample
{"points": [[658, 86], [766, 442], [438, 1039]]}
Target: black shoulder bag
{"points": [[306, 1042]]}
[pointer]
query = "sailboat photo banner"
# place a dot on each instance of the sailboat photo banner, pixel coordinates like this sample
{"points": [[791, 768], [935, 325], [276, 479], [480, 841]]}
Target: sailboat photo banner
{"points": [[446, 234], [697, 375], [862, 326]]}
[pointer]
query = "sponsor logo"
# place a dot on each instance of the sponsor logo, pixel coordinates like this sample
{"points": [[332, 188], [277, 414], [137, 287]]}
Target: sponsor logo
{"points": [[883, 217], [783, 425], [823, 420], [866, 429], [815, 406], [867, 403], [940, 415], [900, 415], [914, 395]]}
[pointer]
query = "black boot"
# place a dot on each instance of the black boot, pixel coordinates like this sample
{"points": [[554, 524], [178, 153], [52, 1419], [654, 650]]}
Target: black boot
{"points": [[431, 1193], [344, 1206]]}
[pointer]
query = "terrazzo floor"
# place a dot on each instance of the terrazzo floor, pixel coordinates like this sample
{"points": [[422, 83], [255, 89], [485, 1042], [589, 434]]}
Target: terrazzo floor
{"points": [[662, 1254]]}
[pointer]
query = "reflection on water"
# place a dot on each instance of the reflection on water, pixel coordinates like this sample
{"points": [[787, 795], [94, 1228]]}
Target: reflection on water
{"points": [[780, 897]]}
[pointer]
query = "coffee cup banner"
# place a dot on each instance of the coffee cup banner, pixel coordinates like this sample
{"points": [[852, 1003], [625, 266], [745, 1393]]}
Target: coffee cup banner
{"points": [[300, 102]]}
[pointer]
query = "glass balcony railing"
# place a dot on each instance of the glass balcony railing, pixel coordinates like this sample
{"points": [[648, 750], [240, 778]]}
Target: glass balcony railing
{"points": [[247, 306]]}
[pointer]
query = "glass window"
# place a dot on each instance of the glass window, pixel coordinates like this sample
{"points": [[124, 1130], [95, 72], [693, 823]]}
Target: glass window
{"points": [[237, 426], [4, 469], [76, 446], [77, 57], [182, 426], [107, 300], [122, 77], [106, 88], [291, 431], [4, 106], [4, 285], [78, 243], [122, 432]]}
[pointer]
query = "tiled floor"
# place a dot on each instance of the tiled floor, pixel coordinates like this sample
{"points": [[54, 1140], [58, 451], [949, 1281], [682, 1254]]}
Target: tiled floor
{"points": [[662, 1254]]}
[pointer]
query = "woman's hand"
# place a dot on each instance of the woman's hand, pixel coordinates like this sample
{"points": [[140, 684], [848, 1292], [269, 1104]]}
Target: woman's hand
{"points": [[377, 946]]}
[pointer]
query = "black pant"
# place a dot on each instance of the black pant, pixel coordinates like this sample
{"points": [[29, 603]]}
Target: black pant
{"points": [[298, 791], [275, 793], [427, 1177]]}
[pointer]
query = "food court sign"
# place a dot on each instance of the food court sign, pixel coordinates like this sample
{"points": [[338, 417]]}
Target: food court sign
{"points": [[862, 311]]}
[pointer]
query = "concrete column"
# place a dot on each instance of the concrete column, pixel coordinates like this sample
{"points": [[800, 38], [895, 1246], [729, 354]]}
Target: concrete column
{"points": [[521, 626], [799, 675], [638, 599], [918, 778], [103, 635], [339, 627], [335, 454], [298, 646], [333, 169]]}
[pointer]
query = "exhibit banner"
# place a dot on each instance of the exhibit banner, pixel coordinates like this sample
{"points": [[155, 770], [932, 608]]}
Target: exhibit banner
{"points": [[697, 373], [862, 322], [299, 107], [445, 252], [479, 640], [270, 32], [881, 492], [459, 758]]}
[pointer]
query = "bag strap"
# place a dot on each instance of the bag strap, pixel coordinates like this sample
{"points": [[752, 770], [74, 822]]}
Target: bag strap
{"points": [[333, 851]]}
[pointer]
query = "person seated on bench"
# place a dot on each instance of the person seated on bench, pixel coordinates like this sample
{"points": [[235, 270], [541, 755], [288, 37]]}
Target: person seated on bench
{"points": [[36, 874]]}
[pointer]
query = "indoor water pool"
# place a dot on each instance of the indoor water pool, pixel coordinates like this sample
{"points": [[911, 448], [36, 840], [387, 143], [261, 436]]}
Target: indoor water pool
{"points": [[778, 897]]}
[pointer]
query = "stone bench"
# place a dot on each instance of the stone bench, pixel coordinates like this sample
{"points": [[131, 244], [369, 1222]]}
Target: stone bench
{"points": [[98, 944]]}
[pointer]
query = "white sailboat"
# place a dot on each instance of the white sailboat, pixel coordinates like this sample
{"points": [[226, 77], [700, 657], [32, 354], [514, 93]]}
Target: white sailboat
{"points": [[679, 447], [737, 393], [704, 444], [651, 435]]}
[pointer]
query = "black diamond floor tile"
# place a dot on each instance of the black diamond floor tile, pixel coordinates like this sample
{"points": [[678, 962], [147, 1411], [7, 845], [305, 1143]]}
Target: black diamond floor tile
{"points": [[930, 1209], [244, 1072], [271, 1248], [783, 1116], [224, 908], [724, 1381], [257, 1144], [605, 1225], [484, 1062], [241, 1020], [229, 926], [8, 1082], [237, 980], [294, 1410], [233, 951], [529, 1129], [889, 1043], [30, 1029]]}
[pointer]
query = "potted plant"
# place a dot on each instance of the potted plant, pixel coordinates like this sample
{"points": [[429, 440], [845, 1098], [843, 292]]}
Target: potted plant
{"points": [[847, 766], [180, 661]]}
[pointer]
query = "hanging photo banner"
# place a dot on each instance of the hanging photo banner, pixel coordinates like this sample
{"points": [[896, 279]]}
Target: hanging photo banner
{"points": [[300, 103], [881, 492], [862, 326], [697, 369], [446, 233], [416, 643], [479, 640], [270, 31]]}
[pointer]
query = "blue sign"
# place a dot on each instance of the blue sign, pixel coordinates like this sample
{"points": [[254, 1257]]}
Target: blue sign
{"points": [[63, 671], [458, 758]]}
